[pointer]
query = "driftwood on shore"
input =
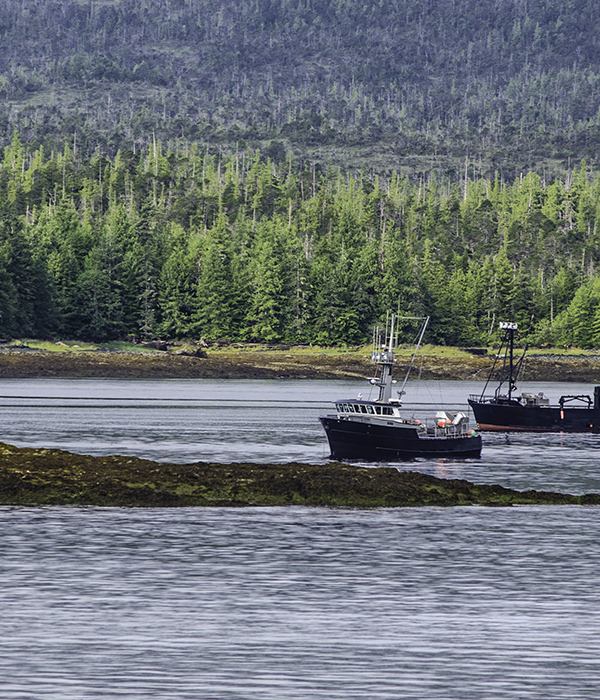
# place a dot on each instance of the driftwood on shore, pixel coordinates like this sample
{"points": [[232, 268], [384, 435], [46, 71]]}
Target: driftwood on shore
{"points": [[54, 477]]}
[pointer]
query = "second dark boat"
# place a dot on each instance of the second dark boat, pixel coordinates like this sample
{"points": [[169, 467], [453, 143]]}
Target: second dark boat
{"points": [[507, 410]]}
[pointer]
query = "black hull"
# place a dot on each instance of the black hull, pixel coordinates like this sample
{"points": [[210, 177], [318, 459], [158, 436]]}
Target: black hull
{"points": [[506, 417], [382, 443]]}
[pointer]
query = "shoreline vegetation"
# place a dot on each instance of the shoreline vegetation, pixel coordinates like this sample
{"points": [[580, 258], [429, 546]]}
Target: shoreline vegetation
{"points": [[33, 359], [34, 477]]}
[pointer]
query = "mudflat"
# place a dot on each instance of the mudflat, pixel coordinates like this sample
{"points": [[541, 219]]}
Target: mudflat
{"points": [[269, 364]]}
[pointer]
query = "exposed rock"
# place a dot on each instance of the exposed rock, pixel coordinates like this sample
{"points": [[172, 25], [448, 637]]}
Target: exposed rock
{"points": [[36, 477], [476, 351], [156, 345], [192, 353]]}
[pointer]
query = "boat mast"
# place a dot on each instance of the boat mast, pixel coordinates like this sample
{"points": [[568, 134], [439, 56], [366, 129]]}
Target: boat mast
{"points": [[510, 329], [508, 343], [384, 357]]}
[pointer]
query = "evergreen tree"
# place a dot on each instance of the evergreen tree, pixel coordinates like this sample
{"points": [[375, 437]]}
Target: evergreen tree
{"points": [[178, 278], [217, 309], [270, 305], [100, 291]]}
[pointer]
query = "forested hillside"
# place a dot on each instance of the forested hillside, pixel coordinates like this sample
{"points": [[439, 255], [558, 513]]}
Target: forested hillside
{"points": [[289, 170], [406, 86], [186, 244]]}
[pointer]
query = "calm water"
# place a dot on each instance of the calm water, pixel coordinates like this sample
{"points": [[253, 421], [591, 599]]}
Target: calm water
{"points": [[270, 421], [300, 603]]}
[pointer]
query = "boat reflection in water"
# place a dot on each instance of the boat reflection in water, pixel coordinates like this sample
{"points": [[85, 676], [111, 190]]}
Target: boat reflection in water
{"points": [[507, 410], [380, 431]]}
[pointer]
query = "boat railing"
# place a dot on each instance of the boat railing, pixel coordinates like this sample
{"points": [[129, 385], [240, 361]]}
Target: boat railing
{"points": [[483, 398], [450, 430], [581, 398]]}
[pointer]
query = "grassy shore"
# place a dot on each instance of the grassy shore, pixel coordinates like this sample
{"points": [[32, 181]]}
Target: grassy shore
{"points": [[186, 360], [54, 477]]}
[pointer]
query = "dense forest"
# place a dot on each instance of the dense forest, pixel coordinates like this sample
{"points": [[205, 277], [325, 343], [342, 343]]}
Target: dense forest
{"points": [[186, 244], [408, 86], [290, 170]]}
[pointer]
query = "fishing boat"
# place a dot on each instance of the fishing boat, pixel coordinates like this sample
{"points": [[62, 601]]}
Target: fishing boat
{"points": [[380, 430], [508, 410]]}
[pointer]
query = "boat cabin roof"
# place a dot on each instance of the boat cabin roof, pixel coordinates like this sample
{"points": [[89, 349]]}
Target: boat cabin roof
{"points": [[366, 402]]}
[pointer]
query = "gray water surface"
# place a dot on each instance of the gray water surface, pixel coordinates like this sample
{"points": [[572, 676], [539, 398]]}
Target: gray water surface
{"points": [[292, 603], [271, 421], [278, 603]]}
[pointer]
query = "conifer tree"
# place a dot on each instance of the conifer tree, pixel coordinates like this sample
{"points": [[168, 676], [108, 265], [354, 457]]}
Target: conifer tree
{"points": [[216, 293]]}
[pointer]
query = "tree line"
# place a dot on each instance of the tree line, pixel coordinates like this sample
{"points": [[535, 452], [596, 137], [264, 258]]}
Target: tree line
{"points": [[184, 243]]}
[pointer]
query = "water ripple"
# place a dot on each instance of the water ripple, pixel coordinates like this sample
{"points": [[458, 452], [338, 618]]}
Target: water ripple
{"points": [[300, 603]]}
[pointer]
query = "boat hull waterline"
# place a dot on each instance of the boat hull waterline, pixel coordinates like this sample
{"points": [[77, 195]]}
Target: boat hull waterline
{"points": [[381, 443]]}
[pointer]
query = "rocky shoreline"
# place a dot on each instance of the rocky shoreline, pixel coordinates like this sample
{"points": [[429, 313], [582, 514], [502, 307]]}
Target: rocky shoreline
{"points": [[33, 477], [272, 364]]}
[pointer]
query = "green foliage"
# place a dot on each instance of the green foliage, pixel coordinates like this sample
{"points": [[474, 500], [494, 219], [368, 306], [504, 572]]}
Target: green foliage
{"points": [[217, 310], [98, 249], [270, 282]]}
